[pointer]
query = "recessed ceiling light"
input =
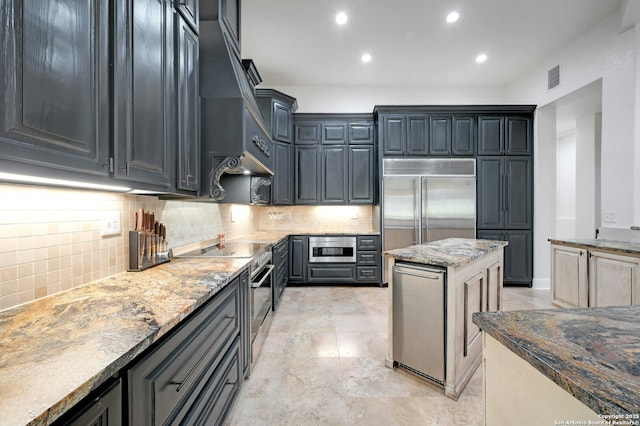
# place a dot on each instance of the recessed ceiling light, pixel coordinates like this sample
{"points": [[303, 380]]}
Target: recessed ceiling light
{"points": [[453, 17], [366, 58], [481, 58], [341, 18]]}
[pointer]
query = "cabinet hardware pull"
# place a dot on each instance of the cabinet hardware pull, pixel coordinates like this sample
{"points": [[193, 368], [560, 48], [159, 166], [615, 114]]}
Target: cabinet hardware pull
{"points": [[506, 192]]}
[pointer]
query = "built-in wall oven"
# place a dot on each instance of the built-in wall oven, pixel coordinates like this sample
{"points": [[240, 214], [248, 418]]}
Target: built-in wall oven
{"points": [[334, 249]]}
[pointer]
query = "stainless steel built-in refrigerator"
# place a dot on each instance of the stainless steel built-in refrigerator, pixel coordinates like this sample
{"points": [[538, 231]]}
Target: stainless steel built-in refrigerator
{"points": [[427, 199]]}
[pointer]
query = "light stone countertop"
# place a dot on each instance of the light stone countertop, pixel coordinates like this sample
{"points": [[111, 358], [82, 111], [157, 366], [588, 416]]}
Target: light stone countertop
{"points": [[450, 252], [56, 350], [621, 247], [592, 353]]}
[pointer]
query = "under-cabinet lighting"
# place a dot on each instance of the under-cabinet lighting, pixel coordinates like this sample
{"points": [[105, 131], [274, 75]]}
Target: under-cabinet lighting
{"points": [[481, 58], [341, 18], [16, 178], [453, 17]]}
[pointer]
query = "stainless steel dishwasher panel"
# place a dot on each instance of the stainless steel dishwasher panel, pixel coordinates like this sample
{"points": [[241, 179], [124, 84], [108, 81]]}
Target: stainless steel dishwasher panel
{"points": [[419, 320]]}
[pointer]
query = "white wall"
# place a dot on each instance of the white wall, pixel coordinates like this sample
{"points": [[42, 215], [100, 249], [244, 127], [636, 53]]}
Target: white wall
{"points": [[601, 53], [566, 185], [362, 99]]}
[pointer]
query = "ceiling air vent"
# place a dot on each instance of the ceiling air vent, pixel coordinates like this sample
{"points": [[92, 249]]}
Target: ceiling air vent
{"points": [[553, 76]]}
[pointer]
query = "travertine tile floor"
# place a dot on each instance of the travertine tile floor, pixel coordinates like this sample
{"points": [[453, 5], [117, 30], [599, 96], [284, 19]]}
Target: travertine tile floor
{"points": [[323, 364]]}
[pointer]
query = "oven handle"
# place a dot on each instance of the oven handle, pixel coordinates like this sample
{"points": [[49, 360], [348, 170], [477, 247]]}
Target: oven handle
{"points": [[265, 275]]}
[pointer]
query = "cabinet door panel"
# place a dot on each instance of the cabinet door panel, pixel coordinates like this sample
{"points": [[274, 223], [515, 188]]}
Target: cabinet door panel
{"points": [[417, 135], [613, 279], [143, 95], [494, 287], [490, 135], [439, 135], [474, 294], [281, 122], [361, 174], [307, 133], [569, 286], [307, 168], [105, 410], [188, 173], [360, 133], [519, 137], [334, 174], [518, 258], [298, 258], [490, 192], [283, 178], [54, 80], [518, 193], [463, 139], [394, 135], [334, 133]]}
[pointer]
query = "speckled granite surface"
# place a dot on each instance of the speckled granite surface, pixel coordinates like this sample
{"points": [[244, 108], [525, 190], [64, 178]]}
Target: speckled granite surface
{"points": [[55, 350], [450, 252], [592, 353], [608, 245]]}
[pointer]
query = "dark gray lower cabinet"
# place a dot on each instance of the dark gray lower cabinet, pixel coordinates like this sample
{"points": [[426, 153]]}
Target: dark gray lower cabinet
{"points": [[245, 322], [193, 375], [281, 270], [298, 258], [368, 258], [103, 410], [331, 273], [518, 255]]}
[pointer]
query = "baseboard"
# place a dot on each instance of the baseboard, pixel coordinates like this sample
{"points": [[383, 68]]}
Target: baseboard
{"points": [[541, 283]]}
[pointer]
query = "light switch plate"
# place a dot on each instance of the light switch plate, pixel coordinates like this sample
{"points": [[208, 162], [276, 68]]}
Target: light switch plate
{"points": [[111, 223]]}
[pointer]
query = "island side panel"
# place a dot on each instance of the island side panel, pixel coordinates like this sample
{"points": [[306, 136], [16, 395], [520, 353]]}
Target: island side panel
{"points": [[468, 290], [539, 402], [388, 362]]}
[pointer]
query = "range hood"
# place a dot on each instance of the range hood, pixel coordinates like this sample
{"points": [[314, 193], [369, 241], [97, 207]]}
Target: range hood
{"points": [[235, 139]]}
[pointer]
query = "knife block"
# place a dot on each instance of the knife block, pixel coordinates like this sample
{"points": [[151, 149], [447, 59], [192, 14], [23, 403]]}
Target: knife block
{"points": [[146, 251]]}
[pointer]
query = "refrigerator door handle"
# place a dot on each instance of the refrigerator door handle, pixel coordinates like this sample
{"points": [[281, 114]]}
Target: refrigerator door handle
{"points": [[417, 218]]}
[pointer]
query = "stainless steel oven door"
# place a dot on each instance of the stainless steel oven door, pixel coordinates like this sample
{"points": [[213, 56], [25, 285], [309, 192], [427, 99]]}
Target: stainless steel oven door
{"points": [[261, 302], [332, 249]]}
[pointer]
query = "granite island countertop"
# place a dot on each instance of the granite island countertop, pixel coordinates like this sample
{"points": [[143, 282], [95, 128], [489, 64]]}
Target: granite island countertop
{"points": [[621, 247], [450, 252], [592, 353], [56, 350]]}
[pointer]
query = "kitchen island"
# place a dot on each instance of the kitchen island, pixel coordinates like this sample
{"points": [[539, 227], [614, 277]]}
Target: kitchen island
{"points": [[562, 365], [473, 271]]}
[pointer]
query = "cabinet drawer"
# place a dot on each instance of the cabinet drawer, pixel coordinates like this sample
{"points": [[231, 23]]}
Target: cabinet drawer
{"points": [[333, 273], [368, 273], [215, 400], [367, 242], [367, 258], [170, 377]]}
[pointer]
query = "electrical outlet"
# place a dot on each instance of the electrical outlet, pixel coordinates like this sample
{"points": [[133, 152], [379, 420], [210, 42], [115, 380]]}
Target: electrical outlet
{"points": [[111, 223], [609, 217]]}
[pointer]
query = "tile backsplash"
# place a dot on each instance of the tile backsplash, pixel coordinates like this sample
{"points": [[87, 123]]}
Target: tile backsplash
{"points": [[50, 238]]}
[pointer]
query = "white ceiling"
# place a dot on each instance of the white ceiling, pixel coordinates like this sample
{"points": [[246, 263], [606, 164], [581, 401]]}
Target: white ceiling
{"points": [[297, 43]]}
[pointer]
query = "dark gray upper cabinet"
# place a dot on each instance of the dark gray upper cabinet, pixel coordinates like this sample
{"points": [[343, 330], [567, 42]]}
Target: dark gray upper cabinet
{"points": [[504, 135], [362, 179], [346, 170], [505, 192], [282, 186], [54, 82], [334, 133], [144, 91], [404, 134], [334, 174], [188, 107], [307, 174], [439, 135], [463, 139], [190, 11], [393, 134], [277, 109]]}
